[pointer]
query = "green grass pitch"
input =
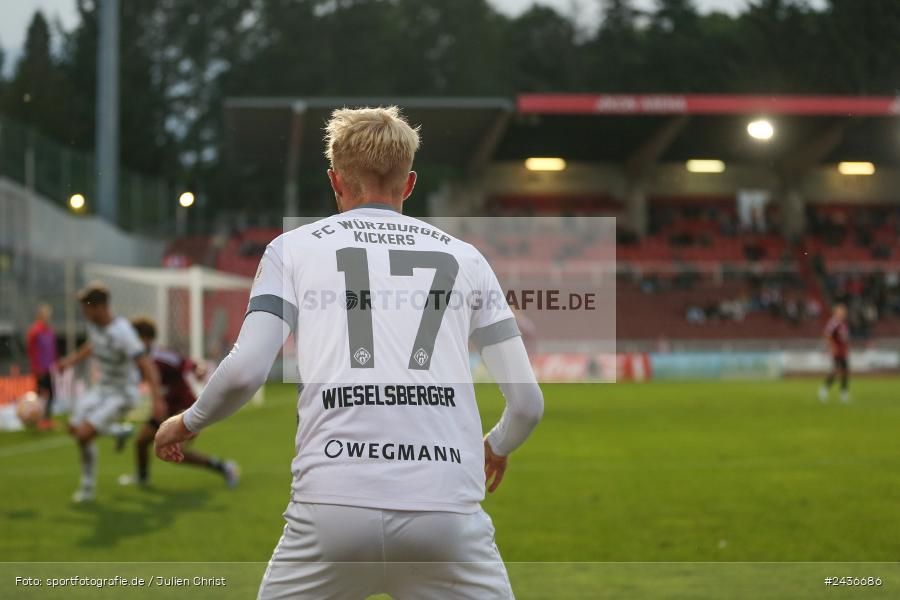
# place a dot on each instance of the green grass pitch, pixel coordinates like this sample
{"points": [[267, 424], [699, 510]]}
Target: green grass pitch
{"points": [[655, 490]]}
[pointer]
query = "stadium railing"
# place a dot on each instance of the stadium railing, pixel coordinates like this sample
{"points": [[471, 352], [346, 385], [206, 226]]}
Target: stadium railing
{"points": [[56, 172]]}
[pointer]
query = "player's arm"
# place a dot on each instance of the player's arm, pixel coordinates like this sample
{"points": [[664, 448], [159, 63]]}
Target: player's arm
{"points": [[80, 354], [496, 334], [231, 385], [507, 361], [271, 314], [150, 373]]}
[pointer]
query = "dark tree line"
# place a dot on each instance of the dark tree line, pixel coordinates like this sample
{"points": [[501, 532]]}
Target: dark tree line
{"points": [[181, 58]]}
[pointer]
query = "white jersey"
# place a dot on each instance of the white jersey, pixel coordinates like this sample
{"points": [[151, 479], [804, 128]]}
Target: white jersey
{"points": [[383, 306], [114, 349]]}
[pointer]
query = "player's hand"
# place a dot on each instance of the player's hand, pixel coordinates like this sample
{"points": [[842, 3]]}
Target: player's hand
{"points": [[169, 438], [200, 371], [494, 466]]}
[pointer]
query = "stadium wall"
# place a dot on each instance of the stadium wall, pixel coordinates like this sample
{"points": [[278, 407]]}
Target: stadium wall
{"points": [[78, 238], [42, 249]]}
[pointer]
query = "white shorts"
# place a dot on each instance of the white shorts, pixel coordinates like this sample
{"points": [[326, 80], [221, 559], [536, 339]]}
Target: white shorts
{"points": [[347, 553], [101, 407]]}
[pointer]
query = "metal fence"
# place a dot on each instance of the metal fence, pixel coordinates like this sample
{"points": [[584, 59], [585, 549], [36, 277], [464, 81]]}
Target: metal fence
{"points": [[56, 172]]}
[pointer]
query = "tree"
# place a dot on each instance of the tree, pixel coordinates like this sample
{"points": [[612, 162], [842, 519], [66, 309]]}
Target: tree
{"points": [[861, 41], [677, 43], [675, 16], [619, 17], [779, 48], [615, 56], [78, 63], [543, 53], [37, 91]]}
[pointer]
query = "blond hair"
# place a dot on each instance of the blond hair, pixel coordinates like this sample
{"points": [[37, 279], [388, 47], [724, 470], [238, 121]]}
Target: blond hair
{"points": [[370, 141]]}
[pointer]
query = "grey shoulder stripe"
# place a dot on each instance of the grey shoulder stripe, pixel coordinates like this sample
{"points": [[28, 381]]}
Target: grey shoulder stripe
{"points": [[495, 332], [272, 304]]}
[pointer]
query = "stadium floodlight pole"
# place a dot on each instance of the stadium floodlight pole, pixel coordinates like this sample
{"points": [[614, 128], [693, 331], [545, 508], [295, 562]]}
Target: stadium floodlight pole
{"points": [[291, 186], [107, 127]]}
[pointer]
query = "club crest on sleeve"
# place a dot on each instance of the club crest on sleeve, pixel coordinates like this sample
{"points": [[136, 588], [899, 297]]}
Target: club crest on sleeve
{"points": [[421, 357], [362, 356]]}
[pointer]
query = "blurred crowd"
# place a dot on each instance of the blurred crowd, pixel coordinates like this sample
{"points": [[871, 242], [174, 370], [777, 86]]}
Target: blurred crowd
{"points": [[868, 296], [709, 218], [779, 295], [769, 298], [875, 228]]}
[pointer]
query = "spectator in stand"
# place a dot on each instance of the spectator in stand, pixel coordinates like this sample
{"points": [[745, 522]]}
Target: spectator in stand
{"points": [[792, 311], [726, 225], [812, 310], [41, 343], [695, 314]]}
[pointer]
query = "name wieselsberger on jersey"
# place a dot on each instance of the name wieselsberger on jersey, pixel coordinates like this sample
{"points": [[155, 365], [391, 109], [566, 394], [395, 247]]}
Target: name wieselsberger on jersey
{"points": [[392, 395]]}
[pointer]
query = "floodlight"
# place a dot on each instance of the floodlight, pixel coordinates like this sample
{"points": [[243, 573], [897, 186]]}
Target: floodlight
{"points": [[77, 202], [856, 168], [545, 164], [705, 165], [761, 129], [186, 199]]}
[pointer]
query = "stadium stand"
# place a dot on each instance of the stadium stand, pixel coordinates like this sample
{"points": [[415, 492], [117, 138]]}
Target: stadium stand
{"points": [[697, 274]]}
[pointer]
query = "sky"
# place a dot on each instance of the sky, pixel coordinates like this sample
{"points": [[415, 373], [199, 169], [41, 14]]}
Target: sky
{"points": [[16, 14]]}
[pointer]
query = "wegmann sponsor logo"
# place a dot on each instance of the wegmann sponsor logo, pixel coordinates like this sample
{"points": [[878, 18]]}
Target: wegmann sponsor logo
{"points": [[393, 451]]}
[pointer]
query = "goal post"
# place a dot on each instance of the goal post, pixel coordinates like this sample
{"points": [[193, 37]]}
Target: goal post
{"points": [[198, 311]]}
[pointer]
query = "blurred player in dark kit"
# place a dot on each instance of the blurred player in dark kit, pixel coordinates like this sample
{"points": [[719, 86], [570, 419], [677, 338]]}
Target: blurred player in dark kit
{"points": [[179, 397], [837, 336]]}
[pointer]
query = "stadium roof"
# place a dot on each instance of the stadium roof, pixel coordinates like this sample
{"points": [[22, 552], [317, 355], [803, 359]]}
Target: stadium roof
{"points": [[674, 127], [700, 104], [462, 131], [272, 139]]}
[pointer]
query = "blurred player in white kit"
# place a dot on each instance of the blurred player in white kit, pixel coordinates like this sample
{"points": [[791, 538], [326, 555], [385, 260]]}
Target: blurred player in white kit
{"points": [[391, 462], [119, 354]]}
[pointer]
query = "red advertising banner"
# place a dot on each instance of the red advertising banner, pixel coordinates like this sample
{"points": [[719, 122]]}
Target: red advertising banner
{"points": [[11, 387], [676, 104], [576, 367]]}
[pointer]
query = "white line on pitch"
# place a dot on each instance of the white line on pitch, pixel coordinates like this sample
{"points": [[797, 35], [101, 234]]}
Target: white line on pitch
{"points": [[55, 442]]}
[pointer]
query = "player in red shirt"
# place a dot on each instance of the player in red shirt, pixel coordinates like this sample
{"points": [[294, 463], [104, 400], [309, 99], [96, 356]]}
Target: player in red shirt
{"points": [[41, 344], [179, 397], [837, 336]]}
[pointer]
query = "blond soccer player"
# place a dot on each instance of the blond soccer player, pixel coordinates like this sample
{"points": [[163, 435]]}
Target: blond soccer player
{"points": [[391, 463]]}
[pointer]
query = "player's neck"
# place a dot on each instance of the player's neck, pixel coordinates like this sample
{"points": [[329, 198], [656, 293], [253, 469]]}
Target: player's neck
{"points": [[395, 205], [105, 319]]}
